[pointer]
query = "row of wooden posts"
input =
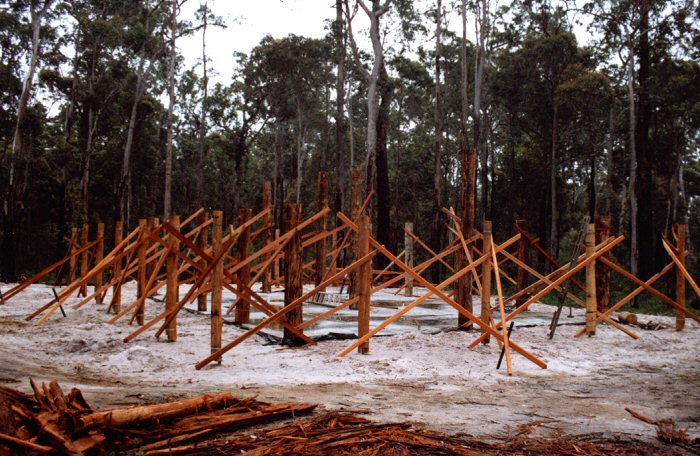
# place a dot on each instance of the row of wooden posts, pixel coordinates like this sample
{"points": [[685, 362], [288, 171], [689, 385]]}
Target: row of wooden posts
{"points": [[167, 254]]}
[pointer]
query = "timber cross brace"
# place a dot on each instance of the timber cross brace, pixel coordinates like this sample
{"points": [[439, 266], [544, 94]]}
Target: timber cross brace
{"points": [[196, 252]]}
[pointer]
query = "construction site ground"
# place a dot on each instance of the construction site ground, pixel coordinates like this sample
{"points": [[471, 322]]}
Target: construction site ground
{"points": [[416, 370]]}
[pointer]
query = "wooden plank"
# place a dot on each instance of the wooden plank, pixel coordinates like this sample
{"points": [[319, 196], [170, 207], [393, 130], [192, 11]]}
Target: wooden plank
{"points": [[172, 293], [293, 284], [501, 305], [282, 312], [365, 280], [437, 291], [408, 248], [217, 285], [554, 284], [487, 240], [591, 304]]}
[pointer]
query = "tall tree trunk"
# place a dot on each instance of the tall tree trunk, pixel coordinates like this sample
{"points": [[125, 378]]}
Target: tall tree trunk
{"points": [[610, 189], [591, 187], [301, 134], [632, 186], [340, 173], [482, 30], [13, 204], [382, 163], [553, 170], [201, 154], [645, 224], [167, 194], [436, 227]]}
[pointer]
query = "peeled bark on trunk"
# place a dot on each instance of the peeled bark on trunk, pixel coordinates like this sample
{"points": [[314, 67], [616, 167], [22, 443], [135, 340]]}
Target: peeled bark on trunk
{"points": [[341, 168], [554, 214], [167, 194], [382, 164], [13, 203], [201, 153], [437, 143]]}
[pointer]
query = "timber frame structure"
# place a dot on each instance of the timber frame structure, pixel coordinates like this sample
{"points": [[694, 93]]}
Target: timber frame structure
{"points": [[201, 252]]}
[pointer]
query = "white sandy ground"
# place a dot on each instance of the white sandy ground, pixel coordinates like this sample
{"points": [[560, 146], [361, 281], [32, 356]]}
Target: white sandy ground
{"points": [[418, 374]]}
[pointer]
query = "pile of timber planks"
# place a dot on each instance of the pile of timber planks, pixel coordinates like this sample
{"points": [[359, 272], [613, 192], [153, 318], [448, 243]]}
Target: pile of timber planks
{"points": [[51, 422]]}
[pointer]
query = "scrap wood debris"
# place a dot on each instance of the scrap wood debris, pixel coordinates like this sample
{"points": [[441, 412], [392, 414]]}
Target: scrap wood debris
{"points": [[50, 422], [665, 429], [346, 434]]}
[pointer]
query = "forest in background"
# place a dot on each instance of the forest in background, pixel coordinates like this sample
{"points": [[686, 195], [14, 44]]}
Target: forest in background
{"points": [[101, 120]]}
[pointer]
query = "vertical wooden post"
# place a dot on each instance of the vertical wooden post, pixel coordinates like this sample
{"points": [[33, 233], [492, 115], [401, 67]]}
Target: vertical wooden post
{"points": [[276, 262], [293, 264], [75, 246], [172, 294], [356, 195], [99, 255], [141, 278], [523, 247], [486, 269], [202, 244], [267, 234], [217, 285], [364, 285], [84, 258], [680, 278], [602, 271], [117, 288], [334, 264], [153, 223], [322, 224], [591, 305], [408, 259], [243, 245]]}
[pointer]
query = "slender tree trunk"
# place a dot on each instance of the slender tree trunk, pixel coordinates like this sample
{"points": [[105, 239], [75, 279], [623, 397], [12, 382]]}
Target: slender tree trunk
{"points": [[437, 140], [301, 140], [167, 194], [610, 189], [201, 155], [645, 223], [632, 186], [482, 30], [341, 168], [382, 163], [554, 168], [591, 187], [13, 204]]}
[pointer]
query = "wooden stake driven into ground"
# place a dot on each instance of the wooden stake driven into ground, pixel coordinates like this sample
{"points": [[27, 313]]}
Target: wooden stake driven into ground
{"points": [[537, 296], [99, 256], [591, 305], [502, 307], [282, 312], [680, 278], [293, 284], [217, 283], [629, 297], [365, 280], [408, 248], [172, 293], [320, 265], [202, 242], [437, 291], [84, 259], [243, 308], [486, 280]]}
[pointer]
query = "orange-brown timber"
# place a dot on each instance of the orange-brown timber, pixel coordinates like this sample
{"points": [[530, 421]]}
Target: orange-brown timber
{"points": [[322, 225], [293, 264], [356, 207], [172, 292], [486, 280], [141, 274], [242, 306], [117, 289], [365, 280], [523, 248], [267, 234], [202, 242], [602, 270], [217, 285]]}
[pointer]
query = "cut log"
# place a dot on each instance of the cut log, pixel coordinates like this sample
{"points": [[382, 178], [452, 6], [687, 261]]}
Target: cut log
{"points": [[627, 318], [126, 417]]}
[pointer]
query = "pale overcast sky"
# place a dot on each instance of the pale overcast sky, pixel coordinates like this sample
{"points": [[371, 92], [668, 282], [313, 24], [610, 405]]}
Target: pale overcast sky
{"points": [[248, 21]]}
